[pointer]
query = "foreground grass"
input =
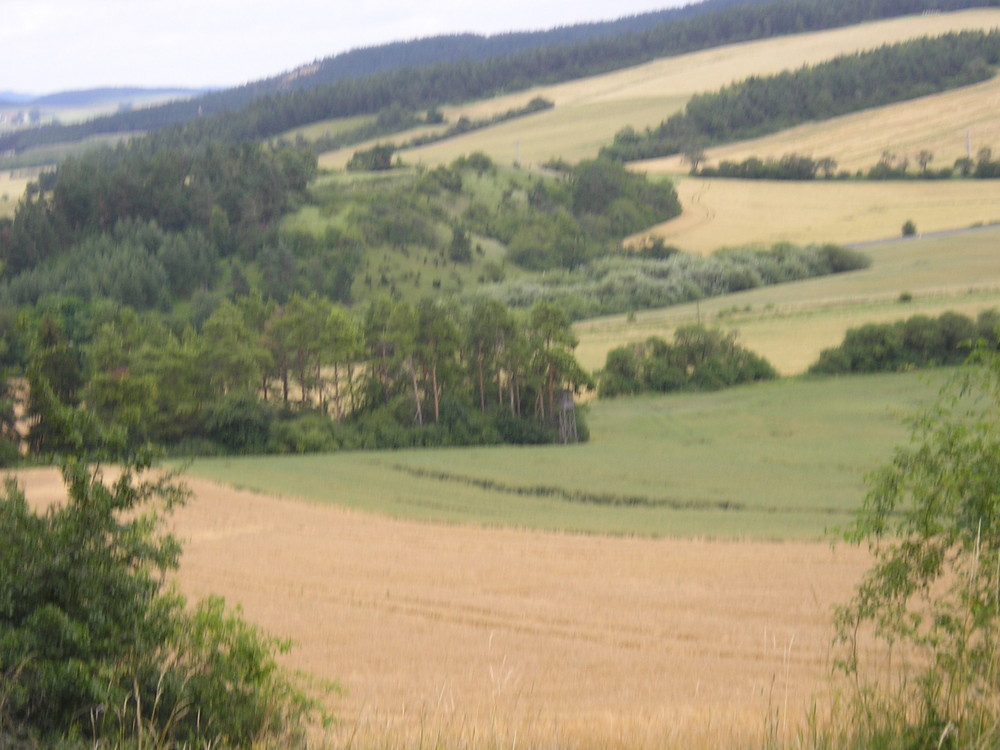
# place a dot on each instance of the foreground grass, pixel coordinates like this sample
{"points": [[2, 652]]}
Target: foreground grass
{"points": [[782, 460]]}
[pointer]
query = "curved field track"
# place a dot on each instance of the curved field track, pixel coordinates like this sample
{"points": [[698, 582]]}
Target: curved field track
{"points": [[493, 636]]}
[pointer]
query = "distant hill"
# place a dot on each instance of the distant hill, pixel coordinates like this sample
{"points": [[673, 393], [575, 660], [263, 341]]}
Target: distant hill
{"points": [[93, 97], [14, 99]]}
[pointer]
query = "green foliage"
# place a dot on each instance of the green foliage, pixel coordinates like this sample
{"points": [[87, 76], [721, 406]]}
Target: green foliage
{"points": [[657, 277], [919, 341], [94, 642], [240, 422], [909, 228], [375, 159], [932, 522], [699, 359]]}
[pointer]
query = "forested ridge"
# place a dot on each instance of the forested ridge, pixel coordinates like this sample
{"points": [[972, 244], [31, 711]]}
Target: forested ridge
{"points": [[261, 111]]}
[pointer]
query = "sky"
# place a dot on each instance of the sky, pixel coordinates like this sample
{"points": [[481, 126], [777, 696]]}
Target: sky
{"points": [[47, 46]]}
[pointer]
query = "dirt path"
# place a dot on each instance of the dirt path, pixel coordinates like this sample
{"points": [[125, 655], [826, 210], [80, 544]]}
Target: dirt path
{"points": [[487, 632]]}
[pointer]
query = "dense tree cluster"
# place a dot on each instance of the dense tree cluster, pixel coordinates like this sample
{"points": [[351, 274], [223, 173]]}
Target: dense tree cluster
{"points": [[700, 359], [230, 194], [564, 224], [762, 105], [890, 166], [919, 341], [306, 375]]}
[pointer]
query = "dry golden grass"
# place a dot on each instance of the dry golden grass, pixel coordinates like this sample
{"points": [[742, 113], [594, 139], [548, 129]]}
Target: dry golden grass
{"points": [[12, 186], [494, 636], [790, 324], [728, 213], [590, 111]]}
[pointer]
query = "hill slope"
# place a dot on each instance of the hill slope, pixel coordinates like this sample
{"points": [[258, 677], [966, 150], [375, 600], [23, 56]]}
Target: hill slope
{"points": [[588, 112]]}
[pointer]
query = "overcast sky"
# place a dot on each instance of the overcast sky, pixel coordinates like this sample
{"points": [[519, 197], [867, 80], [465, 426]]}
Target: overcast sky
{"points": [[58, 45]]}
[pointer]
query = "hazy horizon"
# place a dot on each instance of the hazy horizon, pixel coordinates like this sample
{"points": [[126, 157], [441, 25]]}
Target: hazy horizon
{"points": [[52, 46]]}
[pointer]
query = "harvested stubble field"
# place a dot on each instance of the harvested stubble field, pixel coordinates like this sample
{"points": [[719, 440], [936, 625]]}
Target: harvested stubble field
{"points": [[489, 637], [730, 213]]}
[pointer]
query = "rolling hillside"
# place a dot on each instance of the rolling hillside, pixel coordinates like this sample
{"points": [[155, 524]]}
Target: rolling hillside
{"points": [[589, 112]]}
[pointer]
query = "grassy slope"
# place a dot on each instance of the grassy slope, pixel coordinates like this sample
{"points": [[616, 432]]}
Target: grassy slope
{"points": [[779, 460]]}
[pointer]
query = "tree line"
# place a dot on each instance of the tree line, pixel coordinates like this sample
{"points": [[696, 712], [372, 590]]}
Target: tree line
{"points": [[890, 166], [307, 375], [763, 105], [656, 275], [918, 341]]}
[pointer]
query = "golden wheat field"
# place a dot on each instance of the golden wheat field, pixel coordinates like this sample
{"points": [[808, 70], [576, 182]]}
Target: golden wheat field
{"points": [[493, 637], [730, 213]]}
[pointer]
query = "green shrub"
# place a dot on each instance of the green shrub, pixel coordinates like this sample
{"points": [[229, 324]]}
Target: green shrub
{"points": [[699, 359], [95, 644], [241, 422]]}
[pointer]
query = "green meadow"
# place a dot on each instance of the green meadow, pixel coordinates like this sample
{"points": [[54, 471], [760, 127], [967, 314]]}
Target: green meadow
{"points": [[781, 460]]}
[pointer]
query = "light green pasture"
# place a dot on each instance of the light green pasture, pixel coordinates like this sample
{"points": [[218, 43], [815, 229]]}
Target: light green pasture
{"points": [[782, 460]]}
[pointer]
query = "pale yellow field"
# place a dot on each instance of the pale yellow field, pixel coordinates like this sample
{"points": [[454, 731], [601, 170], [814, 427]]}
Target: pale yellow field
{"points": [[790, 324], [590, 111], [12, 186], [493, 637], [727, 213]]}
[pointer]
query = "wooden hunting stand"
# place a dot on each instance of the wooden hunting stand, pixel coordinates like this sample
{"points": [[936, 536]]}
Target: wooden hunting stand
{"points": [[567, 417]]}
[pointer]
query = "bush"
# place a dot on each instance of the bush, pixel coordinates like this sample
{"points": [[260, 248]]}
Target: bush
{"points": [[94, 643], [241, 422], [699, 359]]}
